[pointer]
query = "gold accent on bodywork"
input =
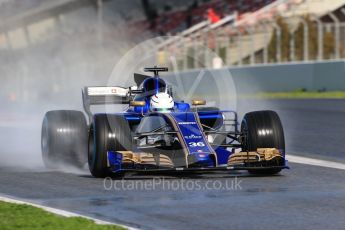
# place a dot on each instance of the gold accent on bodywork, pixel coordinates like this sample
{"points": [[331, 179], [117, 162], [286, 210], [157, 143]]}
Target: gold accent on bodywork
{"points": [[137, 103], [262, 154], [198, 102], [143, 158]]}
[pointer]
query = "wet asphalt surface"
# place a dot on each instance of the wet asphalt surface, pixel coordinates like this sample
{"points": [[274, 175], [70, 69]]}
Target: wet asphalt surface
{"points": [[304, 197]]}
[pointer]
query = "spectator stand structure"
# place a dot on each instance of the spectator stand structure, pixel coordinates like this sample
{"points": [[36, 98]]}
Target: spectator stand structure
{"points": [[281, 31]]}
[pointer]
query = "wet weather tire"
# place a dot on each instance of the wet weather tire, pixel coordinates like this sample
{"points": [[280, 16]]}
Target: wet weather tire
{"points": [[262, 129], [107, 133], [64, 139]]}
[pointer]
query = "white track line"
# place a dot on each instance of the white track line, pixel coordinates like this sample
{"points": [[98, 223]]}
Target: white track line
{"points": [[315, 162], [290, 158], [61, 212]]}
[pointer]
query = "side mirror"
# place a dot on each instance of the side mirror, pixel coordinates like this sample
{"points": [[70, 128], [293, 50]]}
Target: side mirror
{"points": [[198, 102], [137, 103]]}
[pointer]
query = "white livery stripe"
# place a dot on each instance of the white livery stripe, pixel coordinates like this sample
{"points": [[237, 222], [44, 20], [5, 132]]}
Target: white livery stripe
{"points": [[315, 162], [104, 91]]}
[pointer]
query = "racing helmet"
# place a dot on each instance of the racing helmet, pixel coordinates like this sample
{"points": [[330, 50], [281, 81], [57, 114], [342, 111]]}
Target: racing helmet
{"points": [[161, 102]]}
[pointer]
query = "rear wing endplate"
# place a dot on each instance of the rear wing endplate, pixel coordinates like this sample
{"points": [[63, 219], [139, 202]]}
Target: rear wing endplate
{"points": [[102, 95]]}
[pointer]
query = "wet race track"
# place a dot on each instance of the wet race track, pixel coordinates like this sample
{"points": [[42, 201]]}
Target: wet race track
{"points": [[304, 197]]}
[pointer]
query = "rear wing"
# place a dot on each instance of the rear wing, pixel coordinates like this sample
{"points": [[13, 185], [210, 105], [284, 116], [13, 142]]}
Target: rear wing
{"points": [[102, 95]]}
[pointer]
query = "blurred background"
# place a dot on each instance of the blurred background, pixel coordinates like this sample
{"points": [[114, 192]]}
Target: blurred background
{"points": [[257, 32], [273, 49], [51, 44], [57, 41]]}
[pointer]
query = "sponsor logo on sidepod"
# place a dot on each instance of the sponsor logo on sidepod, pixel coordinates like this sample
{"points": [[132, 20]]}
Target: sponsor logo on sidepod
{"points": [[187, 123], [192, 136]]}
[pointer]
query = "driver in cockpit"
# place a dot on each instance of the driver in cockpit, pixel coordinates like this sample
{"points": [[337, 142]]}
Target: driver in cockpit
{"points": [[161, 102]]}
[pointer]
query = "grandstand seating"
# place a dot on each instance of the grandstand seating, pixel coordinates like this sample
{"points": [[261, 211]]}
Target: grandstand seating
{"points": [[258, 14], [317, 7], [285, 8], [173, 22]]}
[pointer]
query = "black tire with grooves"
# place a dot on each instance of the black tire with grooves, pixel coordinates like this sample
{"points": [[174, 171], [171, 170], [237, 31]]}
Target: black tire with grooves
{"points": [[262, 129], [64, 139], [100, 141]]}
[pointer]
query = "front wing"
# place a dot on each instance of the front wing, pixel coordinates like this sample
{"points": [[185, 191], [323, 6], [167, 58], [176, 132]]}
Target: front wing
{"points": [[127, 161]]}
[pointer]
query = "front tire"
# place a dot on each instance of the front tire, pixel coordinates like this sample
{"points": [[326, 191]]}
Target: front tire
{"points": [[262, 129], [64, 139], [107, 133]]}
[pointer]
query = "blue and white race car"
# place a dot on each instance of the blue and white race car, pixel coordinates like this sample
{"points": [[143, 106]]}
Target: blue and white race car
{"points": [[158, 133]]}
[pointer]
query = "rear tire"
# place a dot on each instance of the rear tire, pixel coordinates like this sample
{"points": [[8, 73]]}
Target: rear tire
{"points": [[262, 129], [64, 139], [107, 133]]}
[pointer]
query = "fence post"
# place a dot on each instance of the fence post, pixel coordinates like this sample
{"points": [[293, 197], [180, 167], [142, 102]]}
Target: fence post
{"points": [[165, 50], [239, 44], [206, 47], [292, 44], [319, 38], [265, 51], [249, 30], [222, 49], [239, 34], [216, 40], [195, 50], [342, 10], [252, 42], [305, 39], [228, 45], [337, 35], [182, 48], [214, 45], [174, 60], [278, 36]]}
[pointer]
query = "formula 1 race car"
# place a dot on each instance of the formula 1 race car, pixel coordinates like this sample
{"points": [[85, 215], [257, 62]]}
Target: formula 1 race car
{"points": [[158, 133]]}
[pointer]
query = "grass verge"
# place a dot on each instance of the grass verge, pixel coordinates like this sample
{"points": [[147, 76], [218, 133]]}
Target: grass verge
{"points": [[21, 216], [302, 95]]}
